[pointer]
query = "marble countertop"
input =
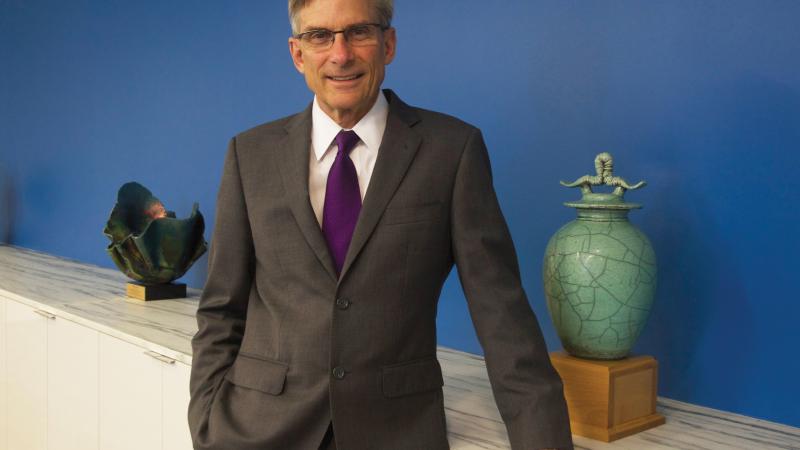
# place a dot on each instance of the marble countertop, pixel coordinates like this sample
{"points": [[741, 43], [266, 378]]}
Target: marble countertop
{"points": [[95, 297]]}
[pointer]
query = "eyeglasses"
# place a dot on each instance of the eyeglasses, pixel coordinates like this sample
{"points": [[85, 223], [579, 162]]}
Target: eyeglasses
{"points": [[362, 34]]}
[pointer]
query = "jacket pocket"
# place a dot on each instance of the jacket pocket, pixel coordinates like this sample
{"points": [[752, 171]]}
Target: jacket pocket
{"points": [[259, 373], [410, 377], [411, 214]]}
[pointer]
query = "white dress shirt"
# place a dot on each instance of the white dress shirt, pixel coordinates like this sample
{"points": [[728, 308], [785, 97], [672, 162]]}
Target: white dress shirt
{"points": [[323, 149]]}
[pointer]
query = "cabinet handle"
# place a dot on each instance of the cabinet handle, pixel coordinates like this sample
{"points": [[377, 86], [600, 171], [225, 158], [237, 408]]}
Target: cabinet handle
{"points": [[160, 357], [44, 313]]}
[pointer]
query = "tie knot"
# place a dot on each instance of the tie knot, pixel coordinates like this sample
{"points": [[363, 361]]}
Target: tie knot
{"points": [[346, 140]]}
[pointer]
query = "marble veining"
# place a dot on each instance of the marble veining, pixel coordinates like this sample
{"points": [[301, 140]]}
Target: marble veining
{"points": [[95, 297]]}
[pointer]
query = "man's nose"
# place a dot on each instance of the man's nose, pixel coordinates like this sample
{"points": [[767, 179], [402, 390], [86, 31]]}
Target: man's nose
{"points": [[340, 52]]}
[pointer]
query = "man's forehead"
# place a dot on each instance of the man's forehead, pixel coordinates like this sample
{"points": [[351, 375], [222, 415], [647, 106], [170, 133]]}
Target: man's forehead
{"points": [[336, 13]]}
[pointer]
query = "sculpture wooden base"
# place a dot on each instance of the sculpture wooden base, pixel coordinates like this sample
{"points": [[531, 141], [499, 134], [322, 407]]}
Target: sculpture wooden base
{"points": [[608, 400], [156, 291]]}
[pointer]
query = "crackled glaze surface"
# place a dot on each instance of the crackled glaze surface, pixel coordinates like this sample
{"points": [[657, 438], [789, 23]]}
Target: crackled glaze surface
{"points": [[599, 280]]}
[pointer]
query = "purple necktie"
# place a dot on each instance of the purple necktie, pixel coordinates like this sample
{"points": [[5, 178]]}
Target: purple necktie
{"points": [[342, 200]]}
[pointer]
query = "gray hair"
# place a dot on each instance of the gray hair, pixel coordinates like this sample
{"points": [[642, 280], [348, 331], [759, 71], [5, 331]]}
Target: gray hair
{"points": [[384, 8]]}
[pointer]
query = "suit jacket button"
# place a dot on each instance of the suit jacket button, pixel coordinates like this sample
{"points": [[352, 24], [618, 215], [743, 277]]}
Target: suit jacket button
{"points": [[338, 372], [342, 303]]}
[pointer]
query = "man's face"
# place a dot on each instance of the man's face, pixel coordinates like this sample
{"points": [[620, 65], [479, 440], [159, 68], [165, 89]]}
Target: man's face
{"points": [[345, 99]]}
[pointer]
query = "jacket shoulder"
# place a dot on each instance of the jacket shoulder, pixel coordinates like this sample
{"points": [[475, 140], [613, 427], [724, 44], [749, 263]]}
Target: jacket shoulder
{"points": [[435, 121], [428, 120], [264, 132], [254, 146]]}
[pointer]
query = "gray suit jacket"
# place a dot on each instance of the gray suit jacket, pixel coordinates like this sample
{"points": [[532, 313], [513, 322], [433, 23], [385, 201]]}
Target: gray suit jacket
{"points": [[284, 346]]}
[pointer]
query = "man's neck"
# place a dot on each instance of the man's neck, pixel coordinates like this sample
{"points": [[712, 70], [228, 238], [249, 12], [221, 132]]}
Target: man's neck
{"points": [[347, 119]]}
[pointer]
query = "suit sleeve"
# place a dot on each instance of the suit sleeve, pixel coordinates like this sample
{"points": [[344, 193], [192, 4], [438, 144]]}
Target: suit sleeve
{"points": [[526, 387], [223, 303]]}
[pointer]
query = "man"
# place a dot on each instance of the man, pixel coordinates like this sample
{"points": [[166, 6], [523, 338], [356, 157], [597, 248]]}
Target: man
{"points": [[335, 230]]}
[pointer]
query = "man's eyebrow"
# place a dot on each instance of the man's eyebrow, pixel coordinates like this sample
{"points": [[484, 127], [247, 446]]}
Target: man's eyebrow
{"points": [[316, 27]]}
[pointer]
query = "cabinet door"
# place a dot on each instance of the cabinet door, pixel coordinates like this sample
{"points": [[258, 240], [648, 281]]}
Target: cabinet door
{"points": [[176, 405], [3, 378], [130, 397], [71, 386], [26, 359]]}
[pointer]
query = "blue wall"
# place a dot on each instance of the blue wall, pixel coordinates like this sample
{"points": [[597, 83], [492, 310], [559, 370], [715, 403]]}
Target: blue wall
{"points": [[700, 98]]}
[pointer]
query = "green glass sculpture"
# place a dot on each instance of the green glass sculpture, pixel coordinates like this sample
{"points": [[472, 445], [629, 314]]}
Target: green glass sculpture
{"points": [[148, 243], [600, 271]]}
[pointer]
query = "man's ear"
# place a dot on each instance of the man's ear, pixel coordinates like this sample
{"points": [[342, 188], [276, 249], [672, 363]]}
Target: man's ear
{"points": [[297, 54], [389, 45]]}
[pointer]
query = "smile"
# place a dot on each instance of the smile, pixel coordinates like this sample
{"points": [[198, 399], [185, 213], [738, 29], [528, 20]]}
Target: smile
{"points": [[346, 78]]}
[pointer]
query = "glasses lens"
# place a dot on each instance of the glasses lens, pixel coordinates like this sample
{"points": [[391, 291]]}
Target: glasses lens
{"points": [[318, 38], [361, 34]]}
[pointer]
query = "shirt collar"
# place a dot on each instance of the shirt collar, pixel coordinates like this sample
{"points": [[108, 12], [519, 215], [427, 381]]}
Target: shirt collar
{"points": [[370, 128]]}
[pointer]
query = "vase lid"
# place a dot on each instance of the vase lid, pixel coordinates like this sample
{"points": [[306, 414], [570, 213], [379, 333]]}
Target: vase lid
{"points": [[604, 165], [602, 201]]}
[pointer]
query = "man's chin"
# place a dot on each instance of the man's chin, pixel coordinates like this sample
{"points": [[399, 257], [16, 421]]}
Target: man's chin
{"points": [[348, 102]]}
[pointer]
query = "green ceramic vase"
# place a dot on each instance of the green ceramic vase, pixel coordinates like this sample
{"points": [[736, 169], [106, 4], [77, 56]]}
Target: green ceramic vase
{"points": [[600, 271]]}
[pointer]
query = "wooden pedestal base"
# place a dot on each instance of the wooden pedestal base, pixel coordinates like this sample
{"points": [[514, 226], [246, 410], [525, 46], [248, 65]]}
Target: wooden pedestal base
{"points": [[608, 400], [156, 291]]}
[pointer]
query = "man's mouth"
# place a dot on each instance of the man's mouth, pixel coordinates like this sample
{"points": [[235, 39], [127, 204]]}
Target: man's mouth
{"points": [[346, 77]]}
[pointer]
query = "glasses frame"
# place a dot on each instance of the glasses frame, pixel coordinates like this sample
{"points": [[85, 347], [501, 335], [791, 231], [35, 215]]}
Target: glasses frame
{"points": [[299, 36]]}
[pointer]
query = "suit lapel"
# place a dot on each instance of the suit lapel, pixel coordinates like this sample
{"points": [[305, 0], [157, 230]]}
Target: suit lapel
{"points": [[294, 158], [397, 150]]}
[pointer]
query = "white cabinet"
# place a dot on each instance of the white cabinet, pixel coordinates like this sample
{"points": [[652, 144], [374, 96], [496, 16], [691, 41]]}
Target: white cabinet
{"points": [[26, 369], [66, 386], [71, 386], [176, 404], [3, 377], [50, 381], [130, 397], [153, 391]]}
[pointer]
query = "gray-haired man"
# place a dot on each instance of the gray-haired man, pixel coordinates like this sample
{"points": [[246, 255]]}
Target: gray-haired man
{"points": [[335, 230]]}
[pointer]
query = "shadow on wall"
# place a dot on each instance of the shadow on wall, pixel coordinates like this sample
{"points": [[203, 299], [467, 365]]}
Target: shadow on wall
{"points": [[684, 325], [7, 207], [705, 233]]}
